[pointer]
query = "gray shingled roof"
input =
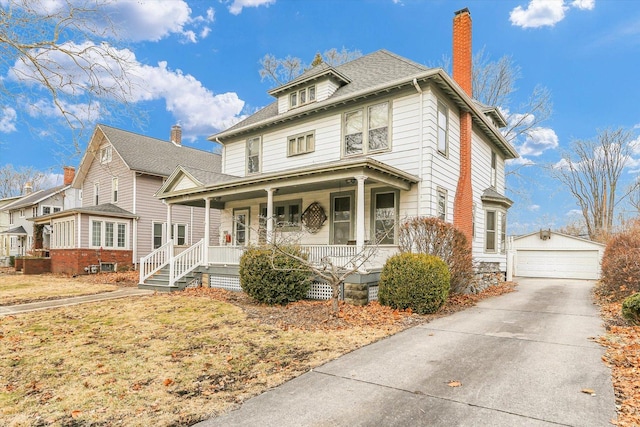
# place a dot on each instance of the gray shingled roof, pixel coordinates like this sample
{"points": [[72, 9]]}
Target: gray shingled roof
{"points": [[368, 71], [208, 177], [155, 156], [106, 209], [491, 195], [34, 198]]}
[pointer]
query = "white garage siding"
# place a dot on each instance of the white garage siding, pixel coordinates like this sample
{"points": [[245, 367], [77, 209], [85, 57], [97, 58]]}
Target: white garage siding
{"points": [[561, 264], [557, 256]]}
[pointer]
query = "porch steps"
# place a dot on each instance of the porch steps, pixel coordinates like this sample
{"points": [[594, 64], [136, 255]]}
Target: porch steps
{"points": [[160, 281]]}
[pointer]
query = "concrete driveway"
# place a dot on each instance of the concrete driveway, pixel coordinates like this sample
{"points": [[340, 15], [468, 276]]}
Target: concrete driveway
{"points": [[522, 359]]}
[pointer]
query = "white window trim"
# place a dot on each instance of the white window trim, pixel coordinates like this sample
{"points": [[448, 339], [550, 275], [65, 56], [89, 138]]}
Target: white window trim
{"points": [[494, 231], [365, 130], [114, 190], [309, 148], [298, 96], [174, 233], [21, 213], [63, 234], [96, 193], [11, 218], [442, 107], [442, 192], [396, 201], [153, 235], [287, 226], [105, 154], [116, 222], [259, 140], [494, 169]]}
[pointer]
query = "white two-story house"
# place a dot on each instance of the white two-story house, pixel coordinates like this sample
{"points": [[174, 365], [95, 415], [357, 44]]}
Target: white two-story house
{"points": [[349, 151]]}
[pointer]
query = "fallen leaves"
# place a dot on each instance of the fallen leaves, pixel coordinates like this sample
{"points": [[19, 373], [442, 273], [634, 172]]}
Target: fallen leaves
{"points": [[454, 384]]}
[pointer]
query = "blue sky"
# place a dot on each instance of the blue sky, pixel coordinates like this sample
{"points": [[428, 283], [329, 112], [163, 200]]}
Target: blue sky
{"points": [[199, 62]]}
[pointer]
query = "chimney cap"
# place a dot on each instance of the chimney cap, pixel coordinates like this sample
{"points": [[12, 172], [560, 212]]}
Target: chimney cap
{"points": [[461, 11]]}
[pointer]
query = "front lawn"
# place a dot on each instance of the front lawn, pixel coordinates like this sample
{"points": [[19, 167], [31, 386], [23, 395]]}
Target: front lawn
{"points": [[173, 359], [22, 289]]}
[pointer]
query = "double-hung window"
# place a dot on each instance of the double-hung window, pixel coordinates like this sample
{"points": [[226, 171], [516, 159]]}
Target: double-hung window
{"points": [[180, 234], [254, 149], [46, 210], [494, 169], [302, 143], [108, 234], [385, 211], [490, 231], [114, 190], [503, 232], [366, 130], [443, 129], [442, 204], [286, 216]]}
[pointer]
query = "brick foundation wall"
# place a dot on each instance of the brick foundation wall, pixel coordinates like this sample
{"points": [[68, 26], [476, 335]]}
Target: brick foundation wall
{"points": [[36, 265], [74, 261]]}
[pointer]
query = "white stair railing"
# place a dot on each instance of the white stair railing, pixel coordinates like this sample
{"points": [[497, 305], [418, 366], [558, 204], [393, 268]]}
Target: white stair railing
{"points": [[157, 259], [186, 261]]}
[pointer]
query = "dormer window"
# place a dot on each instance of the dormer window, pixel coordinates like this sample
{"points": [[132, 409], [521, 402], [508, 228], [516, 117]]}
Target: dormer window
{"points": [[302, 96]]}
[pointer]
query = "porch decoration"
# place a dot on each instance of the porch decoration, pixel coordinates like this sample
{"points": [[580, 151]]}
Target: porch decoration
{"points": [[313, 217]]}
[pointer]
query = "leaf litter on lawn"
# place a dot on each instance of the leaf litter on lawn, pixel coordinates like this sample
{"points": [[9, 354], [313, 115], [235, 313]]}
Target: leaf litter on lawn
{"points": [[174, 359]]}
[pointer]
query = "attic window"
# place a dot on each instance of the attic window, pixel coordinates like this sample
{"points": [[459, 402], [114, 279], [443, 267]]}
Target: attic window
{"points": [[302, 96], [105, 154]]}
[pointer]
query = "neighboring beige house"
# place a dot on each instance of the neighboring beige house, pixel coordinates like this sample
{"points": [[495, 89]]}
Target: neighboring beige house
{"points": [[348, 152], [119, 220]]}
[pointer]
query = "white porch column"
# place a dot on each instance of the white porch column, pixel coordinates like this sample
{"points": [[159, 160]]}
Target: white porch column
{"points": [[167, 236], [360, 213], [270, 192], [207, 227]]}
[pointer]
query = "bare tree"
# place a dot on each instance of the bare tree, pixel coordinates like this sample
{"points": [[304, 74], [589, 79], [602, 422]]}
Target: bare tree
{"points": [[279, 71], [591, 171], [493, 84], [12, 181], [58, 62]]}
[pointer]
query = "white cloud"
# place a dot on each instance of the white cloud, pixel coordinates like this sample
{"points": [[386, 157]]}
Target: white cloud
{"points": [[574, 212], [237, 5], [538, 141], [584, 4], [540, 13], [561, 164], [8, 117], [520, 161], [533, 208], [199, 110]]}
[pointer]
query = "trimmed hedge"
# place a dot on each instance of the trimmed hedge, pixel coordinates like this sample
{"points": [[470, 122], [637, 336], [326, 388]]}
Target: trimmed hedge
{"points": [[416, 281], [272, 277], [631, 309]]}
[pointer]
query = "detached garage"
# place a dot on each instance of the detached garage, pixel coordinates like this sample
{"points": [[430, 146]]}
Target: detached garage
{"points": [[555, 255]]}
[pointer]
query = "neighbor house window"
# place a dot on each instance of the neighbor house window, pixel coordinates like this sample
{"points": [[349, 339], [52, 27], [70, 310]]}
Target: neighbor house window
{"points": [[366, 130], [21, 213], [253, 154], [158, 228], [302, 143], [46, 210], [11, 218], [180, 234], [385, 216], [442, 204], [96, 194], [494, 169], [108, 234], [105, 154], [56, 209], [34, 212], [63, 234], [114, 190], [490, 231], [302, 96], [443, 129]]}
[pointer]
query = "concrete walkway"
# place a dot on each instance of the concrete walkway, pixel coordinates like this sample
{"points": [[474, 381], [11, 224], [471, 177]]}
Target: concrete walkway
{"points": [[522, 359], [44, 305]]}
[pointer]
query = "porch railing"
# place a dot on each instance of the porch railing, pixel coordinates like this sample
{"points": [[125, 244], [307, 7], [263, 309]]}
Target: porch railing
{"points": [[186, 261], [338, 254], [157, 259]]}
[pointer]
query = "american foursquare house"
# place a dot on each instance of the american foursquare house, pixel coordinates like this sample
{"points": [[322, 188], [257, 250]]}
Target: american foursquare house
{"points": [[348, 152]]}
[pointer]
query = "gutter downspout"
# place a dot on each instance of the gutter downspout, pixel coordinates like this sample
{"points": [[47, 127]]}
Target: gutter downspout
{"points": [[421, 148]]}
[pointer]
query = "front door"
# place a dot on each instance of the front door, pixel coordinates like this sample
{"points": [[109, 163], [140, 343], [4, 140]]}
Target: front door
{"points": [[241, 227]]}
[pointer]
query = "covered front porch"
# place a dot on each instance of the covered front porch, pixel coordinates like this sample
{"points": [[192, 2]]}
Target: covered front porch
{"points": [[337, 212]]}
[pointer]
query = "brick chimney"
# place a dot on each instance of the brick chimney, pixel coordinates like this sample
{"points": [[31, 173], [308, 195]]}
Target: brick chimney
{"points": [[176, 134], [69, 174], [462, 60]]}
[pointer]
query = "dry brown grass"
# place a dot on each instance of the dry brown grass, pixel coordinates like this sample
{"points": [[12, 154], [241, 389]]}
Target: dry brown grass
{"points": [[174, 359], [21, 289]]}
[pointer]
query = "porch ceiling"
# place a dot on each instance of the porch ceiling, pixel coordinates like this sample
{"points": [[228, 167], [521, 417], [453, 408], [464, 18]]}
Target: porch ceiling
{"points": [[336, 175]]}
